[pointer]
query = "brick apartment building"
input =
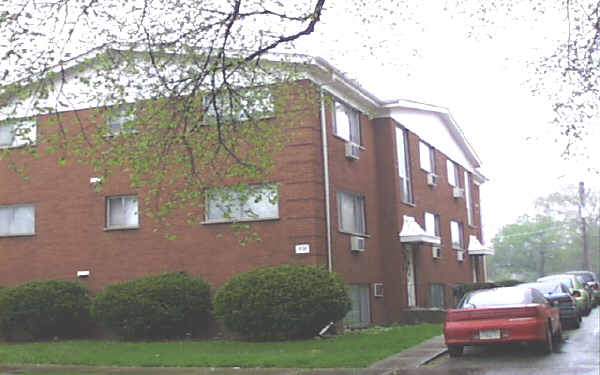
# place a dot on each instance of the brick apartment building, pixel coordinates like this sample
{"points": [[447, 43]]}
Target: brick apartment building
{"points": [[390, 201]]}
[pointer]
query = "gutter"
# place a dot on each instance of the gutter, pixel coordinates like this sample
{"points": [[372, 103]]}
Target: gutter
{"points": [[326, 180]]}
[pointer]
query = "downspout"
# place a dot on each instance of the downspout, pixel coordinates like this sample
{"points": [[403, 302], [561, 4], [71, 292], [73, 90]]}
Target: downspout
{"points": [[326, 178]]}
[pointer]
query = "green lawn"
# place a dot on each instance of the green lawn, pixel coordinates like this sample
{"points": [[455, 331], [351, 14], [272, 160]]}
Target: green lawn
{"points": [[351, 350]]}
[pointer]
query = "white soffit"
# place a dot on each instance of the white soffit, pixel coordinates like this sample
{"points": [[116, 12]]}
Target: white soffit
{"points": [[413, 233], [437, 127], [477, 248]]}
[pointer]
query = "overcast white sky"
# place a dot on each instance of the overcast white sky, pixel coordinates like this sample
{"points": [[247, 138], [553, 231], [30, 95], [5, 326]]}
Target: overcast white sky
{"points": [[477, 70]]}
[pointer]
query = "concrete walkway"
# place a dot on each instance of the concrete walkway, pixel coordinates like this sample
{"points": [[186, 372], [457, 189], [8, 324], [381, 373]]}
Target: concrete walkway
{"points": [[409, 359], [414, 357]]}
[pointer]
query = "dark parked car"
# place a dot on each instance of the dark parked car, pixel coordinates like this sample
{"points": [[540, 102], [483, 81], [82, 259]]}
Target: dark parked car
{"points": [[578, 292], [500, 315], [559, 295]]}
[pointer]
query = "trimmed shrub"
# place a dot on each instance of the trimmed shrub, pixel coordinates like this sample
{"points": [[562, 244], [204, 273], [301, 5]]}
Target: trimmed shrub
{"points": [[41, 310], [284, 302], [167, 305], [461, 289]]}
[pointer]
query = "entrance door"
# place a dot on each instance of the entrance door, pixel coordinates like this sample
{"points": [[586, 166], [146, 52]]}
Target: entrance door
{"points": [[410, 275]]}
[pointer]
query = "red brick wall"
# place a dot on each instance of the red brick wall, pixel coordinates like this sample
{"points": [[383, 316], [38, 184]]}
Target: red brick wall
{"points": [[70, 217]]}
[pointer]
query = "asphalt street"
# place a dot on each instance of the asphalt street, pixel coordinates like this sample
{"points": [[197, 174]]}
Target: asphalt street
{"points": [[578, 353]]}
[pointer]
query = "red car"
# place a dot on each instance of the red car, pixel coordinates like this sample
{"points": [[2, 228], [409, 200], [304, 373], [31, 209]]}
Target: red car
{"points": [[500, 315]]}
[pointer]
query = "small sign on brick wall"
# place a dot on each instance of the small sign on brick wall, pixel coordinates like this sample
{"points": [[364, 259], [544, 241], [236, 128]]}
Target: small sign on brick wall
{"points": [[302, 248]]}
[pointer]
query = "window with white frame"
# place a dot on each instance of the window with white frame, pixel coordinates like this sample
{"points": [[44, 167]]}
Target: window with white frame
{"points": [[118, 120], [346, 122], [432, 224], [255, 202], [18, 219], [17, 133], [122, 212], [239, 104], [402, 154], [427, 157], [351, 212], [456, 233], [468, 199], [360, 313], [452, 169]]}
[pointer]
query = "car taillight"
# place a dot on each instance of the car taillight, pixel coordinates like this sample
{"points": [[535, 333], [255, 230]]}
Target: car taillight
{"points": [[576, 294]]}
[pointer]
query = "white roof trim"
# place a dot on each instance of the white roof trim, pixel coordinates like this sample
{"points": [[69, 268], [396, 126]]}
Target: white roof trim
{"points": [[477, 248], [412, 232]]}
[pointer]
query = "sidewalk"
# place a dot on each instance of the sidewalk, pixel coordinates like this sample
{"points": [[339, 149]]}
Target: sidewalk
{"points": [[409, 359]]}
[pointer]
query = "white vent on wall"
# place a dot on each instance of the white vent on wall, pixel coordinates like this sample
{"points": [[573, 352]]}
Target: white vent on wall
{"points": [[358, 243], [378, 289], [436, 252], [83, 274], [352, 150], [432, 179], [458, 192], [460, 255]]}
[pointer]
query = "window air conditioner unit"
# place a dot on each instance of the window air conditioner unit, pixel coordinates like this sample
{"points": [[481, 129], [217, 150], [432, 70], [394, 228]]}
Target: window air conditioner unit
{"points": [[436, 252], [358, 244], [458, 192], [431, 179], [378, 289], [460, 255], [352, 150]]}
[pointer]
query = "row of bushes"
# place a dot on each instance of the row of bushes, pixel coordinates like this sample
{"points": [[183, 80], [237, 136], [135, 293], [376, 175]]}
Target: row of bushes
{"points": [[277, 303]]}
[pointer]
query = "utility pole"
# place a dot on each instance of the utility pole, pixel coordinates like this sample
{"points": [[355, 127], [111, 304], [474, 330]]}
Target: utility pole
{"points": [[586, 256], [542, 261]]}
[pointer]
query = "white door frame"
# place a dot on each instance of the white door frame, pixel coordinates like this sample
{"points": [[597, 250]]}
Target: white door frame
{"points": [[410, 275]]}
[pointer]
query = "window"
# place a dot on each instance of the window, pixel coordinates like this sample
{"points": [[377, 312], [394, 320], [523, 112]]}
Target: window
{"points": [[351, 212], [360, 314], [432, 224], [427, 157], [250, 203], [452, 173], [346, 123], [436, 296], [118, 118], [468, 199], [403, 164], [17, 220], [15, 134], [456, 233], [239, 104], [122, 212]]}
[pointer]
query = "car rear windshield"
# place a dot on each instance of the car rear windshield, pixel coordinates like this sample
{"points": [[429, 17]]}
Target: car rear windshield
{"points": [[567, 280], [497, 297], [547, 288], [586, 276]]}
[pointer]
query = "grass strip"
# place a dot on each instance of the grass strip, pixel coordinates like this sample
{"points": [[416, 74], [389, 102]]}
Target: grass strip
{"points": [[351, 350]]}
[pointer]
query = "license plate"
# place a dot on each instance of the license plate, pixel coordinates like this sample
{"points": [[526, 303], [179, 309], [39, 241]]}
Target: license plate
{"points": [[489, 334]]}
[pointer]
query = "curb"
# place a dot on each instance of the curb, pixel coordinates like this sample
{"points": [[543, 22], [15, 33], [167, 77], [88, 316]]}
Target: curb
{"points": [[433, 357]]}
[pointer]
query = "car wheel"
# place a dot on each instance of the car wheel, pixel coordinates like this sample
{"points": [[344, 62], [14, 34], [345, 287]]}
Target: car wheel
{"points": [[545, 347], [456, 350]]}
